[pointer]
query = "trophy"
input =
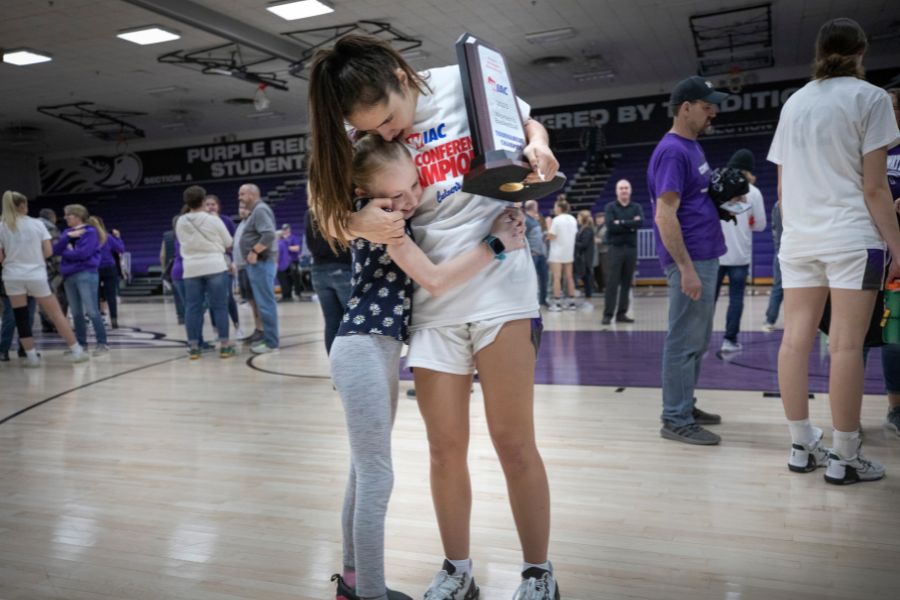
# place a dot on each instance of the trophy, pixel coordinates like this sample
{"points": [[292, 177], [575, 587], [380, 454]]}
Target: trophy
{"points": [[498, 137]]}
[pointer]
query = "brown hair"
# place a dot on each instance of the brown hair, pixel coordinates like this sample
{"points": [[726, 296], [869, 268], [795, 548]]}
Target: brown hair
{"points": [[838, 44], [78, 210], [562, 203], [359, 72], [11, 203], [194, 197], [370, 154], [895, 92]]}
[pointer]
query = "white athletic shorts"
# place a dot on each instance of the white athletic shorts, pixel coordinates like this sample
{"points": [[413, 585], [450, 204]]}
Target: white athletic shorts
{"points": [[452, 348], [853, 270], [36, 288]]}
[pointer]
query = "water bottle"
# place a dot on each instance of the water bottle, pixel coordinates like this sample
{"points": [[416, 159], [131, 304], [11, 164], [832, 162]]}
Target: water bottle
{"points": [[891, 320]]}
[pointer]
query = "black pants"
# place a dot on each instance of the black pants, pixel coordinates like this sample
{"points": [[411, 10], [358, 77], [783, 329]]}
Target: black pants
{"points": [[289, 280], [621, 261], [600, 272], [109, 290]]}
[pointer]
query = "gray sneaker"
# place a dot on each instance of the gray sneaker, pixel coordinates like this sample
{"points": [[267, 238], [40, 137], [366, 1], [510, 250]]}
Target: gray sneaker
{"points": [[537, 584], [892, 423], [689, 434], [450, 585]]}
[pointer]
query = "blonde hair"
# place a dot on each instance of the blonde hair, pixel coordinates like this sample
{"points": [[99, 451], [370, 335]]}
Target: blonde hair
{"points": [[11, 203], [585, 218], [98, 224]]}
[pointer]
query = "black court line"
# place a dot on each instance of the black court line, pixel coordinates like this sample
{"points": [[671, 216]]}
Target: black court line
{"points": [[250, 364], [143, 367]]}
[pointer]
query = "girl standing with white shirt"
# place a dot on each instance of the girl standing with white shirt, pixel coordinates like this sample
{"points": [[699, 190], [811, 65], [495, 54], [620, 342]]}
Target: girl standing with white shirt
{"points": [[24, 248]]}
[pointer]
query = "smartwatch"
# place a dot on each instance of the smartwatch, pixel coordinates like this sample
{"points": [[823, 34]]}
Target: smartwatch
{"points": [[496, 246]]}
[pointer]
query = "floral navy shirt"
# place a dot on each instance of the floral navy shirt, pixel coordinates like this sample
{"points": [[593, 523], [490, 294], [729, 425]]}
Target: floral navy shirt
{"points": [[381, 296]]}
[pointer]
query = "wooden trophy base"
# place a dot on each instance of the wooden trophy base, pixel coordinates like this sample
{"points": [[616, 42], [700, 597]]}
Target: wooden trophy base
{"points": [[501, 174]]}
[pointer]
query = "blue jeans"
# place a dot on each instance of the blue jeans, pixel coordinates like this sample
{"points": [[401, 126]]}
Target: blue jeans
{"points": [[687, 339], [262, 281], [737, 283], [206, 290], [8, 326], [331, 283], [81, 290], [777, 294], [890, 364], [543, 274]]}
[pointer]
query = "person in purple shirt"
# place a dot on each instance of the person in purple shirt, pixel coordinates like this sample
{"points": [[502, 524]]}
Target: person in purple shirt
{"points": [[79, 247], [288, 264], [213, 206], [689, 241], [108, 272]]}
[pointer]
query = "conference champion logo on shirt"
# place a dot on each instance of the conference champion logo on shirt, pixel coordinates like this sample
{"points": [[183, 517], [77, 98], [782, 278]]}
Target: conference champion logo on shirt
{"points": [[438, 159]]}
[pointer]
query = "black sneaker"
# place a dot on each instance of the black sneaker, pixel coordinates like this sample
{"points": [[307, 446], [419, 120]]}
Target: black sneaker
{"points": [[892, 423], [689, 434], [345, 592], [624, 319], [4, 356], [704, 418], [606, 320]]}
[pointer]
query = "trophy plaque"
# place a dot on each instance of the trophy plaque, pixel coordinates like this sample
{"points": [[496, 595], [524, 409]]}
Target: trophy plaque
{"points": [[498, 136]]}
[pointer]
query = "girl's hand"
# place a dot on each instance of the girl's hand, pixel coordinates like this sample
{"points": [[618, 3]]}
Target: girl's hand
{"points": [[377, 225], [509, 226], [893, 270], [543, 164], [116, 233], [77, 233]]}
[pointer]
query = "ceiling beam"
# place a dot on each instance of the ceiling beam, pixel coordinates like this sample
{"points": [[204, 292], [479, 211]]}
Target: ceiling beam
{"points": [[226, 27]]}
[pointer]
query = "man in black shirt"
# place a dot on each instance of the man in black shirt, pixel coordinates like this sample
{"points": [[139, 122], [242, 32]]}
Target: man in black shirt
{"points": [[623, 219]]}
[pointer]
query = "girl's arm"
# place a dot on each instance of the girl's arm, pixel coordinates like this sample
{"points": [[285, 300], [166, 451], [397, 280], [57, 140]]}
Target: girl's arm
{"points": [[439, 279], [85, 246], [46, 249]]}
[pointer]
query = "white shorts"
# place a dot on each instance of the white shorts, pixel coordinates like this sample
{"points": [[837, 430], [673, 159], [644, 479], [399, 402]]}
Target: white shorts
{"points": [[452, 348], [36, 288], [852, 270]]}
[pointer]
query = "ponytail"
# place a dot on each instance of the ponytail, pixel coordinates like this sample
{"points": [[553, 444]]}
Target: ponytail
{"points": [[358, 73], [97, 223], [11, 203], [838, 46]]}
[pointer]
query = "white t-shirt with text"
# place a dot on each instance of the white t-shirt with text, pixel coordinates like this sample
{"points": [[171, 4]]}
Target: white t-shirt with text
{"points": [[823, 133], [564, 228], [739, 236], [23, 250], [449, 221]]}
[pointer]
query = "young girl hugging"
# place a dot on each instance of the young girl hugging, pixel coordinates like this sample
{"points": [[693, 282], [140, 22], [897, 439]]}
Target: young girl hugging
{"points": [[365, 355]]}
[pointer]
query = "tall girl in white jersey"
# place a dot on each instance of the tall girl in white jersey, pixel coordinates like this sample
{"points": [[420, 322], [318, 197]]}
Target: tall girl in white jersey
{"points": [[489, 323]]}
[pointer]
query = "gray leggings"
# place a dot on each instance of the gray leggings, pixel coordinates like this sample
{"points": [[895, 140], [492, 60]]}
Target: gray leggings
{"points": [[364, 369]]}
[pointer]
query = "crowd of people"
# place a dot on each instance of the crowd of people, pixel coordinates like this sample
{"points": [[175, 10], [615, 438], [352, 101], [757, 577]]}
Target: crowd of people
{"points": [[464, 282]]}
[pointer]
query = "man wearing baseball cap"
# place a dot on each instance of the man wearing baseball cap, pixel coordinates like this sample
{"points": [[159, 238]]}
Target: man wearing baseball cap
{"points": [[689, 242]]}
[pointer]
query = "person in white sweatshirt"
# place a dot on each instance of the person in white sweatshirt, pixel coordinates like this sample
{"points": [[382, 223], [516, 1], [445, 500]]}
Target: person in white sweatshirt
{"points": [[739, 242], [204, 240]]}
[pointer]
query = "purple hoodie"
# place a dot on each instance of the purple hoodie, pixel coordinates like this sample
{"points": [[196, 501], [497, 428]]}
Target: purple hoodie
{"points": [[113, 244], [78, 254]]}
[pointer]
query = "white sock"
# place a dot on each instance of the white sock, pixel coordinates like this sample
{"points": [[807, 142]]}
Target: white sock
{"points": [[76, 348], [461, 566], [545, 566], [803, 433], [32, 354], [846, 443]]}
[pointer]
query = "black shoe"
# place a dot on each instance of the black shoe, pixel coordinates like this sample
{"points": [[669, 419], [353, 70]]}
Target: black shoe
{"points": [[606, 320], [345, 592], [624, 319], [256, 336], [115, 323], [4, 356], [21, 352], [705, 418], [689, 434]]}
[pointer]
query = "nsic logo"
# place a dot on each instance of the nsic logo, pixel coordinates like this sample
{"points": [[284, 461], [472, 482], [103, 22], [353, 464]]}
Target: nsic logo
{"points": [[500, 89], [420, 140]]}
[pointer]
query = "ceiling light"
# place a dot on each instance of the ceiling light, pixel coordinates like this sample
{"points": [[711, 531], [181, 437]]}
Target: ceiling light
{"points": [[293, 10], [550, 36], [148, 35], [22, 57]]}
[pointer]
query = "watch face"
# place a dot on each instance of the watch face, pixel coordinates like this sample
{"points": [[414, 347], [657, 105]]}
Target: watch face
{"points": [[497, 246]]}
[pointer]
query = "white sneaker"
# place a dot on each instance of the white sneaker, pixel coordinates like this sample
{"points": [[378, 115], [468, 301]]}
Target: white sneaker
{"points": [[768, 327], [78, 356], [571, 306], [447, 586], [101, 350], [554, 307], [537, 584], [729, 346], [262, 348], [856, 469], [30, 362], [239, 334], [809, 457]]}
